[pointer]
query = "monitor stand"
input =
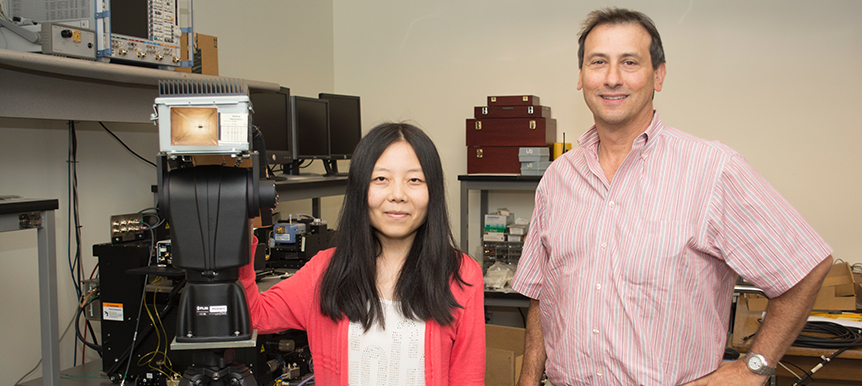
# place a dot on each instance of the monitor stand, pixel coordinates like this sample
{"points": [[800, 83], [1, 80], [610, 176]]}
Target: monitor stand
{"points": [[292, 172], [331, 167], [304, 177], [270, 175]]}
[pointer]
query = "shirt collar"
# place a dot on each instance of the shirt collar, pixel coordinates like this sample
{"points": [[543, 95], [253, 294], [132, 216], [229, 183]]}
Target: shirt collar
{"points": [[591, 137]]}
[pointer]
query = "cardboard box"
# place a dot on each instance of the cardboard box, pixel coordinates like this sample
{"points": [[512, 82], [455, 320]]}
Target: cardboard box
{"points": [[858, 296], [493, 236], [493, 230], [837, 293], [756, 302], [839, 274], [517, 229], [206, 55], [498, 221], [504, 355]]}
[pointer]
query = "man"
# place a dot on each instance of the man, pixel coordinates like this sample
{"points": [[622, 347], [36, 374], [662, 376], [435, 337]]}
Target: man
{"points": [[638, 235]]}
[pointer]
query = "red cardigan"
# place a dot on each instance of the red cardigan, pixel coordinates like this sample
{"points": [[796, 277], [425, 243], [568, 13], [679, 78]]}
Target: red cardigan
{"points": [[454, 354]]}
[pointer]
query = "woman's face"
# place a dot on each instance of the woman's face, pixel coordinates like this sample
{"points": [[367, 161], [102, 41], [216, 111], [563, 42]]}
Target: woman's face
{"points": [[398, 194]]}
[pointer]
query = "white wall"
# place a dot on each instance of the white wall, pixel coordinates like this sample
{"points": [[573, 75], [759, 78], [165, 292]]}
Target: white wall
{"points": [[285, 42], [773, 79]]}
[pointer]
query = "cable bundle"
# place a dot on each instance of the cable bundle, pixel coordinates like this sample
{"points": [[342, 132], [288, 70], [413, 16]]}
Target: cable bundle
{"points": [[839, 337]]}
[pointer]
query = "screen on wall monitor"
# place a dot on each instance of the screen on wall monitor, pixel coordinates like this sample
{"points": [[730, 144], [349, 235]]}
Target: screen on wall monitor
{"points": [[310, 125], [272, 118], [345, 124], [130, 19]]}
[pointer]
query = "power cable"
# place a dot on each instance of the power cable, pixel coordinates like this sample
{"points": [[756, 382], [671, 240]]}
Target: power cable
{"points": [[81, 310], [781, 363], [147, 330], [140, 306], [837, 336], [127, 148], [829, 336], [73, 220]]}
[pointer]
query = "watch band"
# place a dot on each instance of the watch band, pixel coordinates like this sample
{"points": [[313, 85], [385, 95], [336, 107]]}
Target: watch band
{"points": [[757, 364]]}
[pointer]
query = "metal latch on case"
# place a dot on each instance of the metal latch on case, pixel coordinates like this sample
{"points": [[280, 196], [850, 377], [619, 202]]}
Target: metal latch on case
{"points": [[479, 153]]}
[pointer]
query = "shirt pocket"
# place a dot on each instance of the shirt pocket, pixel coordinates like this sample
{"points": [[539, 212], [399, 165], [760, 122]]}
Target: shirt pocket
{"points": [[648, 265], [560, 245]]}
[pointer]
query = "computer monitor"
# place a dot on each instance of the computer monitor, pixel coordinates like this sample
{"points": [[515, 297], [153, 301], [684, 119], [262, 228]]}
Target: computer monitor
{"points": [[272, 117], [345, 125], [309, 127]]}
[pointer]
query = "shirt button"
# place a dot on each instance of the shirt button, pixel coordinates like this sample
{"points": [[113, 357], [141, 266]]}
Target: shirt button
{"points": [[611, 204], [643, 155], [595, 331], [598, 286], [599, 373], [604, 245]]}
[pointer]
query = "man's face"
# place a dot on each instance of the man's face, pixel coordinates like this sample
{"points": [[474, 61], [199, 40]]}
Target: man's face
{"points": [[617, 77]]}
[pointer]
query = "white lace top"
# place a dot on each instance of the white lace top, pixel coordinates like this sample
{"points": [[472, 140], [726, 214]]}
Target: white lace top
{"points": [[394, 356]]}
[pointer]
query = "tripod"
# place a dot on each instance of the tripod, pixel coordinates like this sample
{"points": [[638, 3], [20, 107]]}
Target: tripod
{"points": [[209, 208]]}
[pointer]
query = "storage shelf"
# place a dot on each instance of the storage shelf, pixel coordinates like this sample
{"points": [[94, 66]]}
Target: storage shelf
{"points": [[484, 183], [41, 86]]}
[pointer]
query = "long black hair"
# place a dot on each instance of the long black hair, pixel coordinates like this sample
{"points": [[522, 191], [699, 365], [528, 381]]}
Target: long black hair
{"points": [[349, 285]]}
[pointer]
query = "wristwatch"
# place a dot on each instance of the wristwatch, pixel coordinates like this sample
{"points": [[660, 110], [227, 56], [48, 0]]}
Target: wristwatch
{"points": [[757, 364]]}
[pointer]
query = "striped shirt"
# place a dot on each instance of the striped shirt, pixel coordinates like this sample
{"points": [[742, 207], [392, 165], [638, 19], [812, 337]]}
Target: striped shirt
{"points": [[635, 277]]}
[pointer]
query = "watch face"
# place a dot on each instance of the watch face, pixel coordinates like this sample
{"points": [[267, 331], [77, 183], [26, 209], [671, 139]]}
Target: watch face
{"points": [[754, 362]]}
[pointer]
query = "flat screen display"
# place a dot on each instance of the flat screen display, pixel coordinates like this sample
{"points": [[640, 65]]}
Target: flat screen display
{"points": [[272, 117], [310, 127], [345, 124], [129, 19]]}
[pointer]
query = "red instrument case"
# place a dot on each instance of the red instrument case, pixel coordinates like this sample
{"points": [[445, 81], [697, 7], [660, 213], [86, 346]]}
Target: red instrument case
{"points": [[513, 100], [521, 132], [493, 159], [482, 112], [499, 130]]}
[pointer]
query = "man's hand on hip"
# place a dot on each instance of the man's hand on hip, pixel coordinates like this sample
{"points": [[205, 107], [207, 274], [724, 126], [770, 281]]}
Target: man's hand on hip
{"points": [[731, 373]]}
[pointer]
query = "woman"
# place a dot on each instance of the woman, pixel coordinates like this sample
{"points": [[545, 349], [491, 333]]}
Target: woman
{"points": [[394, 302]]}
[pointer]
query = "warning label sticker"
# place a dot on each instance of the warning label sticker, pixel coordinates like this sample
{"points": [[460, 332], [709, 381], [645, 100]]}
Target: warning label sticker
{"points": [[112, 311]]}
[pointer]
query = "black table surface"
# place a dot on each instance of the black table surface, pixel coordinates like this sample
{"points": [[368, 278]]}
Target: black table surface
{"points": [[17, 204]]}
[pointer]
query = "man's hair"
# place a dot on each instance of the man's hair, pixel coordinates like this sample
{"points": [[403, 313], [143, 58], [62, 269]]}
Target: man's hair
{"points": [[621, 16]]}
